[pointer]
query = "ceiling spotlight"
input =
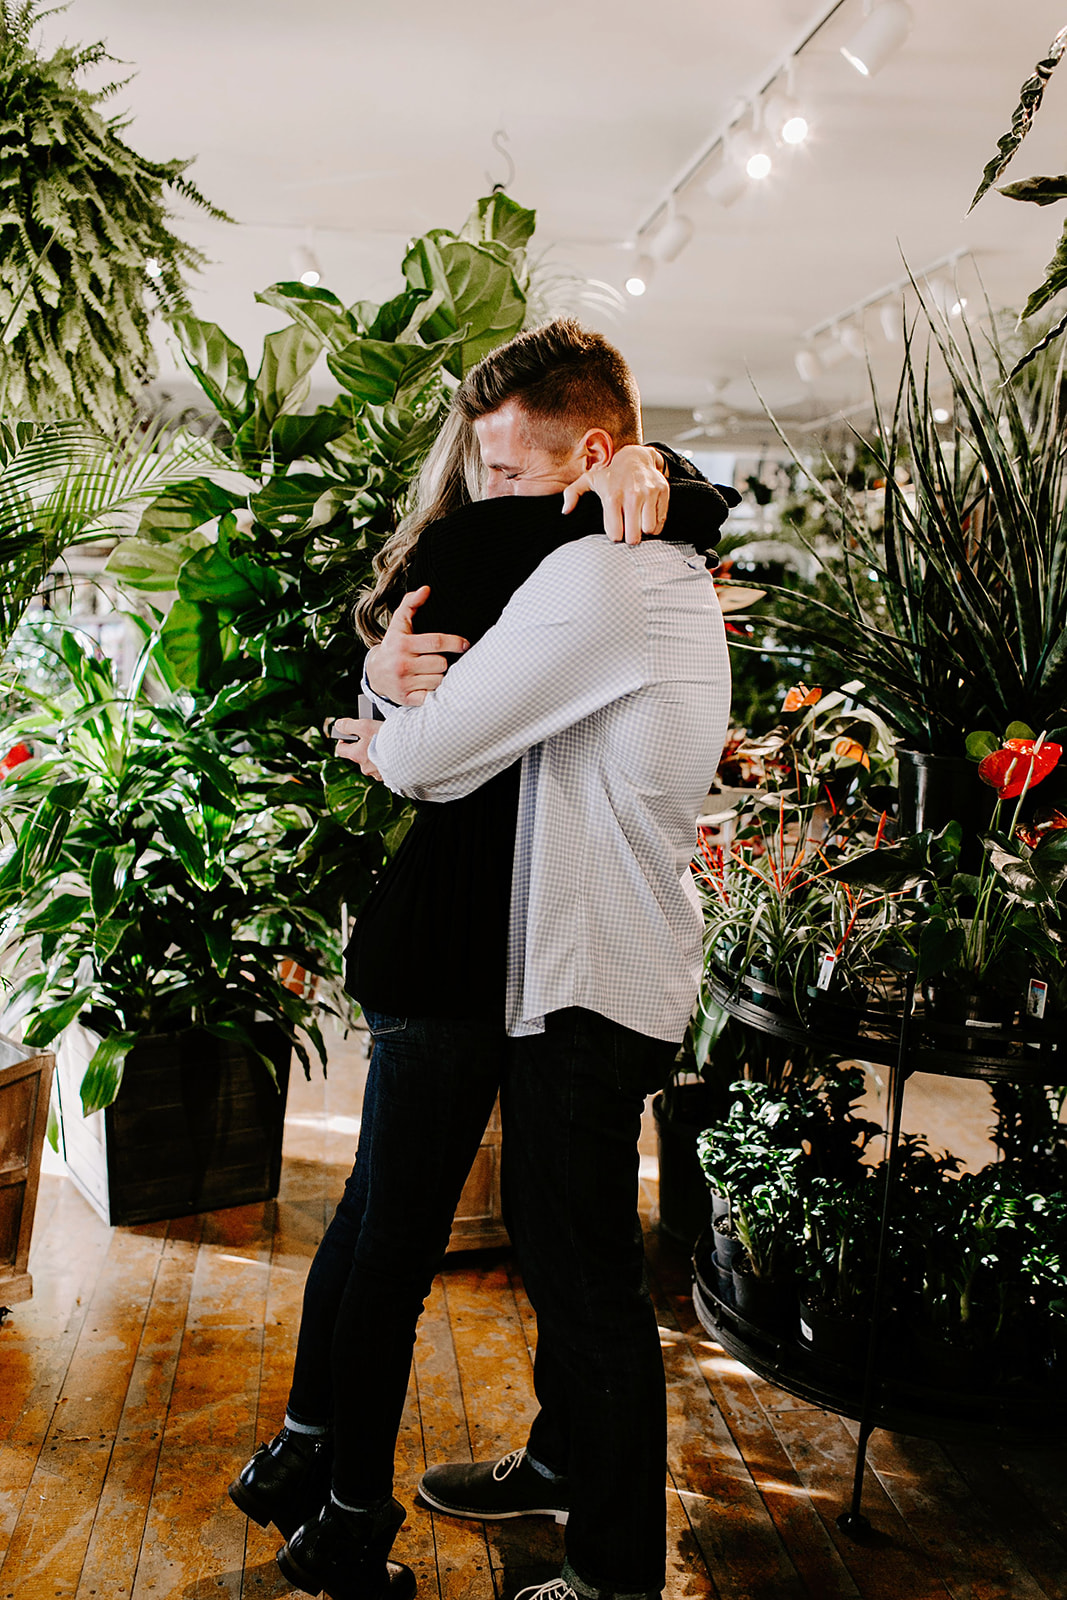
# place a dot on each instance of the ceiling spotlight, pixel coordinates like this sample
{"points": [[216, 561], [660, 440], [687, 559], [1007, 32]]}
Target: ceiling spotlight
{"points": [[154, 267], [306, 265], [785, 121], [941, 415], [640, 275], [728, 182], [887, 25], [758, 165], [808, 366], [673, 237], [852, 339], [958, 307], [889, 316]]}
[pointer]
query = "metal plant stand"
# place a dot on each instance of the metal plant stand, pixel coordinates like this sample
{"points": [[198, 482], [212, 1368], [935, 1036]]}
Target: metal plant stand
{"points": [[905, 1043]]}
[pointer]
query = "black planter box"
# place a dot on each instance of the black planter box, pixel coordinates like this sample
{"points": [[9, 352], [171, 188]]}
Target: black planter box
{"points": [[197, 1125]]}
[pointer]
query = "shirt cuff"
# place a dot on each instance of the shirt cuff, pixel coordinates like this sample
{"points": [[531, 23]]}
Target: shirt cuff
{"points": [[384, 705]]}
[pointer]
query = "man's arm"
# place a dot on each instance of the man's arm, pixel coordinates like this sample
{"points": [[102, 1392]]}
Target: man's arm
{"points": [[569, 642]]}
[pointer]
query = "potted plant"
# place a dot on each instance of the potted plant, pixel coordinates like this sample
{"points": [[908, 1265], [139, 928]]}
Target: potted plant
{"points": [[151, 889], [842, 1219]]}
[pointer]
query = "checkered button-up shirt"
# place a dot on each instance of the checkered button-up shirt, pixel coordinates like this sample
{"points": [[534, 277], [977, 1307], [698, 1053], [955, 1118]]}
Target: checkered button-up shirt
{"points": [[608, 673]]}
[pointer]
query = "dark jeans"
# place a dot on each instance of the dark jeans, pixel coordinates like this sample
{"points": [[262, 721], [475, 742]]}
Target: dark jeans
{"points": [[571, 1101], [430, 1091]]}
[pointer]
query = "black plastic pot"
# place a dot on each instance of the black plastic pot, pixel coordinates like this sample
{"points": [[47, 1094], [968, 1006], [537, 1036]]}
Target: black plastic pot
{"points": [[767, 1303], [684, 1196], [829, 1332], [727, 1248], [839, 1014], [965, 1006], [938, 789]]}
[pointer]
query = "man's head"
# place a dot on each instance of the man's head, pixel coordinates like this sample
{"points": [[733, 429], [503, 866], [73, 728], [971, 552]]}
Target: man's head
{"points": [[547, 406]]}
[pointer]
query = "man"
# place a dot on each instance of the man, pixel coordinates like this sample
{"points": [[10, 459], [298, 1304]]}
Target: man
{"points": [[607, 674]]}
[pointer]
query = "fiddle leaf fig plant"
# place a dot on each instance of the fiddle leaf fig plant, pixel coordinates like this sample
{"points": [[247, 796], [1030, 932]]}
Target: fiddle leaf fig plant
{"points": [[260, 573]]}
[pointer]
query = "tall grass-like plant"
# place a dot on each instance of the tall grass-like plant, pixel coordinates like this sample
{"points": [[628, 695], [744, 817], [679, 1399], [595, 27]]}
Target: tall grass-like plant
{"points": [[968, 624]]}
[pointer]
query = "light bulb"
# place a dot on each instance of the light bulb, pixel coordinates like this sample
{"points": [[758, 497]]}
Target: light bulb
{"points": [[307, 265], [758, 165], [640, 275], [795, 129], [881, 35]]}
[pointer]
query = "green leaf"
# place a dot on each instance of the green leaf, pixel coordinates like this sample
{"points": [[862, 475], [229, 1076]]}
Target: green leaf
{"points": [[941, 944], [218, 936], [1019, 730], [218, 364], [478, 292], [140, 565], [237, 1033], [314, 308], [108, 936], [1055, 279], [302, 438], [400, 317], [1039, 191], [184, 508], [1030, 97], [284, 376], [61, 912], [379, 373], [981, 744], [107, 878], [103, 1075], [46, 1024], [362, 804], [232, 583], [195, 642], [497, 217], [290, 503]]}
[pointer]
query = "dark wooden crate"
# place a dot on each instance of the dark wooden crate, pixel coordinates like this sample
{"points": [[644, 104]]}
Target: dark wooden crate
{"points": [[25, 1080]]}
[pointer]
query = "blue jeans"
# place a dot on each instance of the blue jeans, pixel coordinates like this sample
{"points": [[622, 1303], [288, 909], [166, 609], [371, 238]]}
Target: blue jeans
{"points": [[430, 1090], [571, 1101]]}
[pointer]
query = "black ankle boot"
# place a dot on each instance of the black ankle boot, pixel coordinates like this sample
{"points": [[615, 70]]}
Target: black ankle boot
{"points": [[287, 1482], [344, 1552]]}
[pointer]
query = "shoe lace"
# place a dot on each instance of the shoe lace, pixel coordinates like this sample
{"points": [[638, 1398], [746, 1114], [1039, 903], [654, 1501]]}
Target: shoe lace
{"points": [[555, 1589], [505, 1465]]}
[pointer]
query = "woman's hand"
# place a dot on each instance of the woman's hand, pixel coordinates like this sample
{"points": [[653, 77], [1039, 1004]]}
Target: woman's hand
{"points": [[633, 489], [407, 666], [353, 736]]}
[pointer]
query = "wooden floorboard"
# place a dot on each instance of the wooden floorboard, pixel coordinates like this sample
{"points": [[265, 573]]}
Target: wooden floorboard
{"points": [[151, 1360]]}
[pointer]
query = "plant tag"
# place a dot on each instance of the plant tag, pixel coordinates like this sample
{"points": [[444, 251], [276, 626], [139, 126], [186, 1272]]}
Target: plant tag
{"points": [[826, 972], [1036, 996], [805, 1331]]}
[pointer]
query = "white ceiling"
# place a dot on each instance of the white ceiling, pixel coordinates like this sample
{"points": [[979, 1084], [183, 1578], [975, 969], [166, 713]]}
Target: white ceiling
{"points": [[353, 126]]}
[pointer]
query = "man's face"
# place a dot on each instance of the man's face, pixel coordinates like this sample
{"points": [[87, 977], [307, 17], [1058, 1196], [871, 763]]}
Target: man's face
{"points": [[513, 465]]}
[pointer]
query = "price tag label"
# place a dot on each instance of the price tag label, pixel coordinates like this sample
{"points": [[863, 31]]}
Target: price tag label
{"points": [[1036, 996], [826, 972]]}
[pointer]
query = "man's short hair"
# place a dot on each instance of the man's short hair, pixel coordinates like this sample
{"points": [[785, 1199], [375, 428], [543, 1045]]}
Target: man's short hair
{"points": [[566, 379]]}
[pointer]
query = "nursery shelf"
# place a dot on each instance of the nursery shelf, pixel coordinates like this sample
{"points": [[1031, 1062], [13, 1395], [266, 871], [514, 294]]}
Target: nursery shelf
{"points": [[1015, 1413], [1027, 1053]]}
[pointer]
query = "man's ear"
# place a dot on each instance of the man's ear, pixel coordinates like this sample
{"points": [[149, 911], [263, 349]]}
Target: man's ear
{"points": [[597, 449]]}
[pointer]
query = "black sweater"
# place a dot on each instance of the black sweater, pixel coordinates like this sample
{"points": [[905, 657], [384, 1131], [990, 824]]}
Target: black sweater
{"points": [[432, 937]]}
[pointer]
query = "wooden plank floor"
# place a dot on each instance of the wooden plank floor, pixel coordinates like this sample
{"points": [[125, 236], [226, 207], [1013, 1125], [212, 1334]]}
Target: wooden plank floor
{"points": [[152, 1359]]}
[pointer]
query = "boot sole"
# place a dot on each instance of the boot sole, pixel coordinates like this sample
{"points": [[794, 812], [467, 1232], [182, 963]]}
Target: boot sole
{"points": [[245, 1502], [472, 1515], [400, 1580]]}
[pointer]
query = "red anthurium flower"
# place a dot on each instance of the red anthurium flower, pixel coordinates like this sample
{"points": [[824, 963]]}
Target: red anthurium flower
{"points": [[14, 758], [851, 750], [801, 696], [1018, 765]]}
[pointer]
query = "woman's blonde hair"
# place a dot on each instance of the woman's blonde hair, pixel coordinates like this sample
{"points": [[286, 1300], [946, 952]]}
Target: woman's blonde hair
{"points": [[450, 477], [566, 378]]}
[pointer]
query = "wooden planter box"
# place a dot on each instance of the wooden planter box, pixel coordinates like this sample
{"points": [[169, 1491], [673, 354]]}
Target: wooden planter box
{"points": [[197, 1125], [25, 1082], [479, 1219]]}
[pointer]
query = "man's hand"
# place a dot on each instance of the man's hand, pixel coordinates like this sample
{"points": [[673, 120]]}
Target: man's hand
{"points": [[634, 491], [407, 665], [353, 736]]}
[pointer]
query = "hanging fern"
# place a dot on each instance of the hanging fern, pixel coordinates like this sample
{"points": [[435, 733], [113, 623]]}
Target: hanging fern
{"points": [[80, 214]]}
